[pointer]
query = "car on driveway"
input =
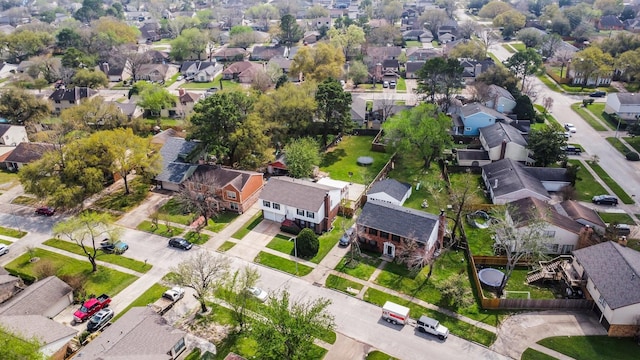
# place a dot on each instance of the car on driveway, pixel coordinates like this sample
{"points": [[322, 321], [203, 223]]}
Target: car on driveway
{"points": [[180, 243], [345, 240], [99, 320], [598, 94], [258, 293], [45, 210], [570, 127], [4, 249], [605, 200]]}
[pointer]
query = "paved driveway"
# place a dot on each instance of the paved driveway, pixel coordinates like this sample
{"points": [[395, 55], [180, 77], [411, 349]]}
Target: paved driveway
{"points": [[521, 331]]}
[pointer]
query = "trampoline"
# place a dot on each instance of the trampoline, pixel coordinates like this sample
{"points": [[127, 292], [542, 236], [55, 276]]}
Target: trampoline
{"points": [[491, 277], [365, 160]]}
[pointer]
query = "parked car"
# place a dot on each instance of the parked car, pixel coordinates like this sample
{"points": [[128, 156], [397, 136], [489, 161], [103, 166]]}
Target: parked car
{"points": [[385, 84], [571, 150], [570, 127], [116, 247], [174, 294], [99, 320], [346, 238], [212, 90], [598, 94], [180, 243], [91, 307], [620, 230], [605, 200], [258, 293], [46, 211], [392, 85], [4, 249], [433, 327]]}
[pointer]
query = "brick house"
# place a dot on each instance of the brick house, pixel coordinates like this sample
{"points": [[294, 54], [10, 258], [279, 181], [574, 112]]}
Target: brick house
{"points": [[381, 227]]}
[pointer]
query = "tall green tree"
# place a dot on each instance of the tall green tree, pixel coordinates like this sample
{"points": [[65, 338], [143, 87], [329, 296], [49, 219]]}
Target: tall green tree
{"points": [[358, 73], [87, 230], [154, 98], [318, 63], [307, 243], [423, 130], [334, 108], [216, 117], [14, 347], [21, 107], [591, 63], [90, 78], [290, 32], [524, 63], [236, 294], [191, 43], [90, 10], [204, 272], [439, 76], [251, 144], [302, 156], [349, 39], [287, 328], [95, 114], [546, 145], [511, 21]]}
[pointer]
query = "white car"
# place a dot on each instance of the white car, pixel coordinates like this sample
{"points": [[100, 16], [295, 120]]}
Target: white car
{"points": [[259, 294], [4, 249], [570, 127]]}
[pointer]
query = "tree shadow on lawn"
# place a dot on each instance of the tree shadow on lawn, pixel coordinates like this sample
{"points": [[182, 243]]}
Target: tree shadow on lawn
{"points": [[332, 157]]}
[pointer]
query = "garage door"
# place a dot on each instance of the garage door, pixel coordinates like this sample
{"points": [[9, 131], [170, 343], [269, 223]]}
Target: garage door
{"points": [[270, 215]]}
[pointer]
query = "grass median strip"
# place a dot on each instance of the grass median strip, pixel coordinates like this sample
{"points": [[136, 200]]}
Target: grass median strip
{"points": [[342, 284], [620, 193], [586, 116], [227, 245], [119, 260], [280, 263], [14, 233], [592, 347], [248, 226], [148, 297], [161, 229], [456, 327], [618, 145]]}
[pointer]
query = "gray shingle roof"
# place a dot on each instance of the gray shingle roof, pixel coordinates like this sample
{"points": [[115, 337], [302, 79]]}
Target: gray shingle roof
{"points": [[511, 177], [39, 295], [174, 166], [45, 330], [72, 95], [500, 91], [300, 194], [25, 153], [398, 220], [614, 270], [223, 176], [627, 98], [577, 211], [138, 334], [527, 209], [547, 174], [496, 133], [392, 187], [413, 66], [471, 154]]}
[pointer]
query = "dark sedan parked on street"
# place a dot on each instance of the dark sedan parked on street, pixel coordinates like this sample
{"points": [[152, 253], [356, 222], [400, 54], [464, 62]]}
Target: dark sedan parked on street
{"points": [[45, 210], [180, 243], [605, 200]]}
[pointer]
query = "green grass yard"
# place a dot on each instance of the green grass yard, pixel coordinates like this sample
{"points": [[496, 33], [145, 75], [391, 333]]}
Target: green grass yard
{"points": [[14, 233], [401, 85], [341, 160], [342, 284], [226, 246], [593, 347], [162, 229], [586, 186], [620, 218], [363, 268], [148, 297], [196, 238], [282, 264], [618, 145], [634, 142], [586, 116], [120, 260], [248, 226], [119, 201], [617, 189], [531, 354]]}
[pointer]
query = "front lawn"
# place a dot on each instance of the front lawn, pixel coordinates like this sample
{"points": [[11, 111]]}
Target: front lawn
{"points": [[379, 355], [362, 268], [103, 281], [552, 120], [196, 238], [329, 239], [120, 260], [220, 221], [618, 145], [509, 48], [586, 116], [518, 46], [161, 229], [282, 264], [413, 43], [597, 109], [226, 85], [593, 347], [586, 186], [226, 246], [633, 141], [531, 354], [456, 327], [248, 226], [282, 243], [173, 212], [549, 82], [14, 233], [8, 178], [620, 218], [401, 85], [148, 297], [119, 201], [612, 184], [341, 160], [342, 284]]}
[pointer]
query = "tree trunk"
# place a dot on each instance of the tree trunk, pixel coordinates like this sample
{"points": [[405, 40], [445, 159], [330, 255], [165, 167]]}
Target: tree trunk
{"points": [[203, 305], [430, 271], [126, 184], [94, 265]]}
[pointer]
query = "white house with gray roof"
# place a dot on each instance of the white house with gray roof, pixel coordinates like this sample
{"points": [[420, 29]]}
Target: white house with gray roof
{"points": [[625, 105], [302, 202], [612, 274], [390, 191], [500, 99], [502, 141], [383, 227]]}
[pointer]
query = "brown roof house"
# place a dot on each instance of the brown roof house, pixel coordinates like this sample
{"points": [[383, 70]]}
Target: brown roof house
{"points": [[28, 315], [140, 334], [242, 71], [301, 202], [23, 154], [154, 72], [66, 98]]}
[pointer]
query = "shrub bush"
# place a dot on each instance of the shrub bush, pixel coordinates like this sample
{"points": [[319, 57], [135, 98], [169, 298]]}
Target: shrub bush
{"points": [[44, 268], [308, 243], [290, 229], [632, 156]]}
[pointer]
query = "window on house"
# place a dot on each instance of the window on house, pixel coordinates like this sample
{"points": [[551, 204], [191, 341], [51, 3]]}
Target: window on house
{"points": [[231, 194], [602, 301], [300, 212], [549, 233], [310, 214], [552, 248], [373, 231], [234, 206], [266, 203], [395, 238], [276, 206], [372, 242], [384, 235]]}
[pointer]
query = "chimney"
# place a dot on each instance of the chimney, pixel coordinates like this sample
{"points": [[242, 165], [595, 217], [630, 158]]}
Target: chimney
{"points": [[442, 220], [495, 184], [181, 91], [503, 149]]}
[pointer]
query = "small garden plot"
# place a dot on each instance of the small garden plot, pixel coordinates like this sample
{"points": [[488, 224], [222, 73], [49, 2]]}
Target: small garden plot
{"points": [[342, 160]]}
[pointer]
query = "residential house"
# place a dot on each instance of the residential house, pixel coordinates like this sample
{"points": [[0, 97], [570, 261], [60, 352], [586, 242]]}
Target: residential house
{"points": [[602, 78], [383, 227], [279, 165], [378, 54], [343, 186], [149, 32], [141, 333], [66, 98], [115, 73], [612, 274], [500, 99], [154, 72], [582, 215], [503, 141], [421, 54], [471, 117], [311, 37], [391, 65], [390, 191], [322, 22], [447, 31], [137, 15], [473, 68], [446, 38], [301, 202], [625, 105], [186, 102], [507, 180], [29, 315], [610, 22], [12, 135], [225, 54], [24, 154], [9, 285], [242, 71], [283, 64], [417, 35], [632, 25], [179, 161], [200, 71], [266, 53], [157, 57], [226, 189], [560, 231], [359, 110], [412, 67], [7, 70], [130, 110]]}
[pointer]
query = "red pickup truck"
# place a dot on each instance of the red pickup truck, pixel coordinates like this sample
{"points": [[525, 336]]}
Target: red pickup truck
{"points": [[90, 307]]}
